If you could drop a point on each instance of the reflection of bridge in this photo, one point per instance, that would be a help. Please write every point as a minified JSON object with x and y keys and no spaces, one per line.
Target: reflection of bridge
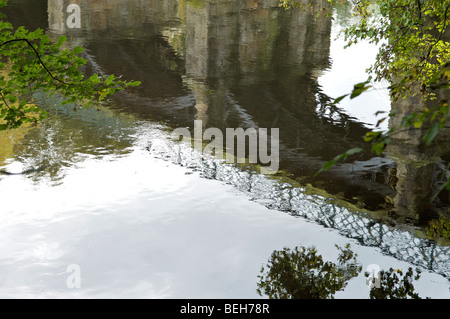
{"x":278,"y":195}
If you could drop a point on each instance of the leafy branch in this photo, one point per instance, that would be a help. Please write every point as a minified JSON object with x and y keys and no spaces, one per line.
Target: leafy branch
{"x":37,"y":56}
{"x":30,"y":62}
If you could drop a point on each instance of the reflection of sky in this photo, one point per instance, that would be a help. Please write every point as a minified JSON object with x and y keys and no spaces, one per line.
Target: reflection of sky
{"x":139,"y":227}
{"x":348,"y":68}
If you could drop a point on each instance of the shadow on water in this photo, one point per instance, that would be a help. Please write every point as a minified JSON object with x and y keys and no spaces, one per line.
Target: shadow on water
{"x":237,"y":64}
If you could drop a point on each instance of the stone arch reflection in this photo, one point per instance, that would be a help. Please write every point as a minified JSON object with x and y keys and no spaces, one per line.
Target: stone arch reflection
{"x":420,"y":169}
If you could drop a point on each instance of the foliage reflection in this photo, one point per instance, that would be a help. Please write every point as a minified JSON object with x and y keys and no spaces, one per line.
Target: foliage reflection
{"x":301,"y":273}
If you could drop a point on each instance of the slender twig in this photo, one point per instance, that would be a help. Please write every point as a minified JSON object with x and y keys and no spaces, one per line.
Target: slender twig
{"x":4,"y":101}
{"x":419,"y":4}
{"x":444,"y":27}
{"x":411,"y":128}
{"x":40,"y":61}
{"x":9,"y":107}
{"x":38,"y":57}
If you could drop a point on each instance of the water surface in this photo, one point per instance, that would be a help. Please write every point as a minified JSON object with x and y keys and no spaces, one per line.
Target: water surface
{"x":144,"y":216}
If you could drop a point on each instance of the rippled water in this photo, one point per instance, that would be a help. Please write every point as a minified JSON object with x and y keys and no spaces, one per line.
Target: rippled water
{"x":145,"y":224}
{"x":143,"y":216}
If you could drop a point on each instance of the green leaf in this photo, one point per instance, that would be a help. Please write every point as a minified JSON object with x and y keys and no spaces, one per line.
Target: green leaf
{"x":381,"y":122}
{"x":370,"y":136}
{"x":431,"y":134}
{"x":12,"y":98}
{"x":354,"y":151}
{"x":378,"y":147}
{"x":359,"y":89}
{"x":78,"y":50}
{"x":61,"y":40}
{"x":339,"y":99}
{"x":338,"y":158}
{"x":418,"y":124}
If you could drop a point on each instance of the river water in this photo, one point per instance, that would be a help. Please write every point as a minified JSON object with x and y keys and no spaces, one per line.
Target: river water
{"x":139,"y":215}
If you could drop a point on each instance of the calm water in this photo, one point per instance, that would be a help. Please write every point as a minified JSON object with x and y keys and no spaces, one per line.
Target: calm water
{"x":144,"y":216}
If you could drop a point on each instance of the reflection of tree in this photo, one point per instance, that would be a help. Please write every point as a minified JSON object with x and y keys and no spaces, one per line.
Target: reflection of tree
{"x":393,"y":284}
{"x":281,"y":194}
{"x":302,"y":274}
{"x":439,"y":228}
{"x":421,"y":169}
{"x":67,"y":137}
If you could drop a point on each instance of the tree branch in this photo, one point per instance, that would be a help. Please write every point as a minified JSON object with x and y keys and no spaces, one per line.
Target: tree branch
{"x":38,"y":57}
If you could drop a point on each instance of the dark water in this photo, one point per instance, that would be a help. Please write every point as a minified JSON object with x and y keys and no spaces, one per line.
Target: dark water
{"x":249,"y":64}
{"x":114,"y":174}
